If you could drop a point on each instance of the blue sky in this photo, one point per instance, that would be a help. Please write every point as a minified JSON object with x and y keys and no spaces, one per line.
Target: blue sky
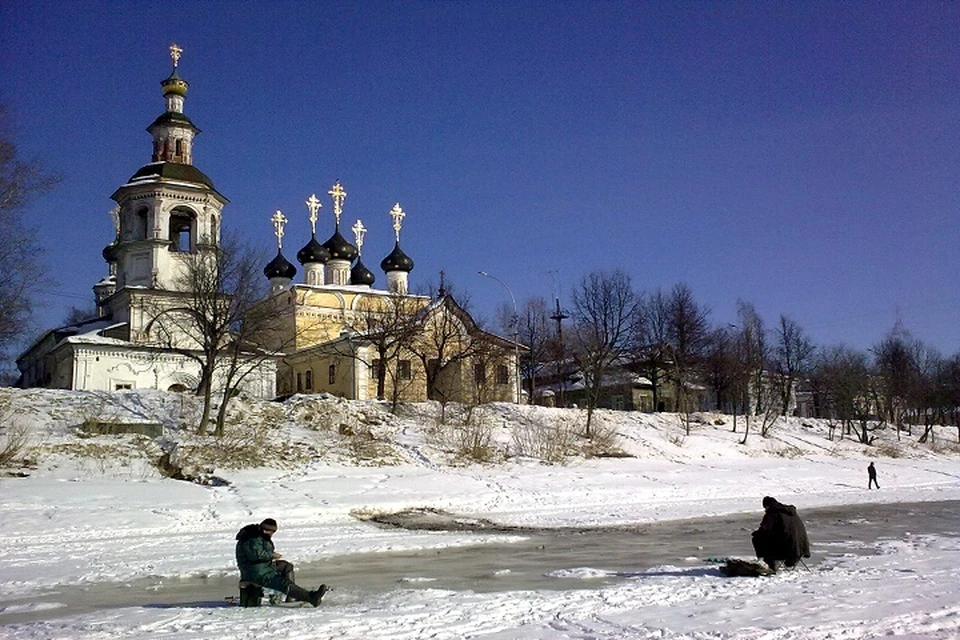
{"x":799,"y":156}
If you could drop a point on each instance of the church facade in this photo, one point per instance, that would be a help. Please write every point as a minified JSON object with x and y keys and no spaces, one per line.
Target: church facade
{"x":333,"y":332}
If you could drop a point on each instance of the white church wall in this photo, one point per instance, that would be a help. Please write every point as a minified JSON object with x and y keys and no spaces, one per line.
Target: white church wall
{"x":106,"y":368}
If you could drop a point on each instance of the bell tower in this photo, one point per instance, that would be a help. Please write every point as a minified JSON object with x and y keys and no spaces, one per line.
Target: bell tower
{"x":168,"y":210}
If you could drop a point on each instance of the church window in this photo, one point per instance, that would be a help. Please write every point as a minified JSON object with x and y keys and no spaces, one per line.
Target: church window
{"x":479,"y":373}
{"x":299,"y":382}
{"x":332,"y":374}
{"x":404,"y":371}
{"x":308,"y":380}
{"x":179,"y":151}
{"x":140,"y":225}
{"x":503,"y":374}
{"x":181,"y":231}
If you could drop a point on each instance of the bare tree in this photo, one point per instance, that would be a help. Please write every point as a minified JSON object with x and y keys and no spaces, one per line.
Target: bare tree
{"x":898,"y":373}
{"x":537,"y":335}
{"x":932,"y":396}
{"x":389,"y":325}
{"x":952,"y":381}
{"x":653,"y":341}
{"x":841,"y":381}
{"x":793,"y":353}
{"x":20,"y":181}
{"x":688,"y":330}
{"x":216,"y":317}
{"x":752,"y":354}
{"x":446,"y":340}
{"x":720,"y":368}
{"x":604,"y":328}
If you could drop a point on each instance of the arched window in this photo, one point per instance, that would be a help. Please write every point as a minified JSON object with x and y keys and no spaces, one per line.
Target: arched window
{"x":332,"y":374}
{"x":179,"y":151}
{"x":181,"y":232}
{"x":308,"y":380}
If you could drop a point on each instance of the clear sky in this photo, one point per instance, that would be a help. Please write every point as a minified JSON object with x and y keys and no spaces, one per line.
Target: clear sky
{"x":801,"y":156}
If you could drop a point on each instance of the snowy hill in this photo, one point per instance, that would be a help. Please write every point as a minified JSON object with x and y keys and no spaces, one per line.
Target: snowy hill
{"x":85,"y":508}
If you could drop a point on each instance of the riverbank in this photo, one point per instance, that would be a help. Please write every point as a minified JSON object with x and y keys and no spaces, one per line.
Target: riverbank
{"x":80,"y":520}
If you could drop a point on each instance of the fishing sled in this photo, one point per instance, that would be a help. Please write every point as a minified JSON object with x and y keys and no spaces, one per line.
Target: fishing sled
{"x":252,"y":595}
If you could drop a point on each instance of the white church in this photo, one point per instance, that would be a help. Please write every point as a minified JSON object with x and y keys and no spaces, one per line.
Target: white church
{"x":169,"y":212}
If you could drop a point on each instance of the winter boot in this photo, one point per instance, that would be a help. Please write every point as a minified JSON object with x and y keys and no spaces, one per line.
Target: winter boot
{"x":299,"y":593}
{"x":316,"y":596}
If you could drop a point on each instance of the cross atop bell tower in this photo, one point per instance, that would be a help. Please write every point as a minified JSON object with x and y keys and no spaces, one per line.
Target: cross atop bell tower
{"x":168,"y":209}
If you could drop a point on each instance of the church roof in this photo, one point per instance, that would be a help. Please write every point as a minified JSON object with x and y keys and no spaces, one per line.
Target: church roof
{"x":279,"y":267}
{"x":361,"y":275}
{"x":170,"y":171}
{"x":172,"y":117}
{"x":340,"y":248}
{"x":397,"y":261}
{"x":313,"y":252}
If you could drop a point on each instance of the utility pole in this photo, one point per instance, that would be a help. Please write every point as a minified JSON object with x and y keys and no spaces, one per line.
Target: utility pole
{"x":560,"y":316}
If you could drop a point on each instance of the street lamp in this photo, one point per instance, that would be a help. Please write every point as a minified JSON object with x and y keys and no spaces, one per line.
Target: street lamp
{"x":516,"y":334}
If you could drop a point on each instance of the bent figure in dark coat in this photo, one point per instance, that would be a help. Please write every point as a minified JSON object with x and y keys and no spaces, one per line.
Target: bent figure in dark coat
{"x":781,"y":536}
{"x":260,"y":564}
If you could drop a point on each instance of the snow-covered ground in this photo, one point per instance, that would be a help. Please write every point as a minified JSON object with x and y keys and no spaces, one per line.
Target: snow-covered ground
{"x":94,"y":509}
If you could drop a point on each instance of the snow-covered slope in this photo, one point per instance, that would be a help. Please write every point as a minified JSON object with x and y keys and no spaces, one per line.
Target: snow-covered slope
{"x":79,"y":508}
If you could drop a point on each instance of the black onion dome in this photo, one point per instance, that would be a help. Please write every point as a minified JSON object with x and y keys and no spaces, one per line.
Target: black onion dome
{"x":280,"y":268}
{"x":313,"y":251}
{"x":361,"y":275}
{"x":339,"y":248}
{"x":110,"y":253}
{"x":397,"y":261}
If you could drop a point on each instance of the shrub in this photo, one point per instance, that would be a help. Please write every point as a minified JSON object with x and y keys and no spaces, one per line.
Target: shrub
{"x":550,"y":442}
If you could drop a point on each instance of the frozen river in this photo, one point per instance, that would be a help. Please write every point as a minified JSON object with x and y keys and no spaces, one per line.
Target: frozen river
{"x":531,"y":560}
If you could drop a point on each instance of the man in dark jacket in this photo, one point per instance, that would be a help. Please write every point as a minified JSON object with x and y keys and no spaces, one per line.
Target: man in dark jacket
{"x":872,"y":477}
{"x":781,"y":536}
{"x":261,"y":565}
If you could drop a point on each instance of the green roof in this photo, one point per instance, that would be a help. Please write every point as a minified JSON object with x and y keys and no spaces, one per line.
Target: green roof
{"x":171,"y":171}
{"x":172,"y":117}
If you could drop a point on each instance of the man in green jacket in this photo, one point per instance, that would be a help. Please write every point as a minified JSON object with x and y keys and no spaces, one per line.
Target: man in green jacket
{"x":261,"y":565}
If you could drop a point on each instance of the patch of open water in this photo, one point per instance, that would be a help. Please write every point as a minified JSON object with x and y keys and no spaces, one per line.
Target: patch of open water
{"x":543,"y":559}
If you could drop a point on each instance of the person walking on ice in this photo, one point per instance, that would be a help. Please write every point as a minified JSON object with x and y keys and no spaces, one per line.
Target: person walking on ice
{"x":872,"y":475}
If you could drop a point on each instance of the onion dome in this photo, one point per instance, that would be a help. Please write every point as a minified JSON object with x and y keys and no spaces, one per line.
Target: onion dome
{"x":361,"y":275}
{"x":397,"y":261}
{"x":110,"y":253}
{"x":174,"y":84}
{"x":280,"y":268}
{"x":313,"y":252}
{"x":339,"y":248}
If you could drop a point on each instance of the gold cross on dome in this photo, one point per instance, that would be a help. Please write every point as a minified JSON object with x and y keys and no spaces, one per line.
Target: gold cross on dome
{"x":397,"y":214}
{"x":175,"y":52}
{"x":338,"y":195}
{"x":359,"y":231}
{"x":278,"y":220}
{"x":313,"y":205}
